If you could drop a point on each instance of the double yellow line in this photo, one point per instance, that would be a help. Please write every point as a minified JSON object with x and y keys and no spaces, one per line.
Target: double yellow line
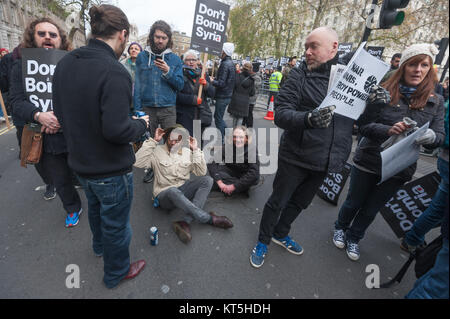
{"x":5,"y":129}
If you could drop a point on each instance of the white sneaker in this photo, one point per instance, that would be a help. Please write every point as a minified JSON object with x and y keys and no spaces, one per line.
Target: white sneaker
{"x":2,"y":119}
{"x":338,"y":238}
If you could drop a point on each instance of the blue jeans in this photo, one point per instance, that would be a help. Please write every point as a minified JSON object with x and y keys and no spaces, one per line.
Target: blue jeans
{"x":109,"y":203}
{"x":221,"y":105}
{"x":434,"y":213}
{"x":434,"y":284}
{"x":364,"y":200}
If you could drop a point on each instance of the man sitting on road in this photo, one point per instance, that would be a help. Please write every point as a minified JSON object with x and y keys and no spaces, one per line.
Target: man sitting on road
{"x":172,"y":163}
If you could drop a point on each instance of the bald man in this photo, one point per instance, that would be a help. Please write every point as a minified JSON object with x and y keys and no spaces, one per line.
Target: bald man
{"x":313,"y":143}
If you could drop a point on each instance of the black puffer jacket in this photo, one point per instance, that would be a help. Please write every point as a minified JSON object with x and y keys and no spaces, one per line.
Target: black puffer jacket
{"x":325,"y":149}
{"x":243,"y":89}
{"x":368,"y":151}
{"x":224,"y":83}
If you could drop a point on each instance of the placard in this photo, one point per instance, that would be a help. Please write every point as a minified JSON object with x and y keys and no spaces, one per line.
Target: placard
{"x":333,"y":184}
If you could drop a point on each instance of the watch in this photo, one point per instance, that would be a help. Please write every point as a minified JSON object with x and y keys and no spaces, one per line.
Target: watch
{"x":37,"y":116}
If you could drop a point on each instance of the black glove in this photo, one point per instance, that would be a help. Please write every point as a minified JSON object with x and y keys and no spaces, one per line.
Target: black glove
{"x":320,"y":118}
{"x":378,"y":95}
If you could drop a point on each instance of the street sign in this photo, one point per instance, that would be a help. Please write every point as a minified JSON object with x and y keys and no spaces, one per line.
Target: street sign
{"x":210,"y":23}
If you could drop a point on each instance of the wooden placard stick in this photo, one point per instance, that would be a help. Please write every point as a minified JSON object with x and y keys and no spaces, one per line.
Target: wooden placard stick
{"x":4,"y":111}
{"x":205,"y":60}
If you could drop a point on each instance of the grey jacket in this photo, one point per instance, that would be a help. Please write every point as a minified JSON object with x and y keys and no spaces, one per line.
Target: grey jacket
{"x":368,"y":151}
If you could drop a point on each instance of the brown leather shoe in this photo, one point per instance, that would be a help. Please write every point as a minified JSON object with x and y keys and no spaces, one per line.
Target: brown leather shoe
{"x":183,"y":231}
{"x":221,"y":221}
{"x":135,"y":269}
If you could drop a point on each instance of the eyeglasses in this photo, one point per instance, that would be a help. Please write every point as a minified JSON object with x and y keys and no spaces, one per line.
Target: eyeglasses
{"x":52,"y":35}
{"x":190,"y":60}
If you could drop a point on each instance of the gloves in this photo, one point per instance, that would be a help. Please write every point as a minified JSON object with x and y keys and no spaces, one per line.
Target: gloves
{"x":202,"y":81}
{"x":199,"y":101}
{"x":428,"y":138}
{"x":378,"y":95}
{"x":320,"y":118}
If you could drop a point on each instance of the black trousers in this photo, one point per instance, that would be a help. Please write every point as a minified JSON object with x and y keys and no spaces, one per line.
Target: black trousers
{"x":229,"y":177}
{"x":293,"y":190}
{"x":54,"y":170}
{"x":248,"y":121}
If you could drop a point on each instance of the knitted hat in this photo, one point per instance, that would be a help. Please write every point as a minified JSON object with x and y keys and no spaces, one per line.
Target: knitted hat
{"x":228,"y":48}
{"x":134,"y":43}
{"x":417,"y":49}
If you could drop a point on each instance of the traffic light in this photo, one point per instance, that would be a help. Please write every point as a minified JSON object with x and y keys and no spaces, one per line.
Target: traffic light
{"x":389,"y":16}
{"x":442,"y":46}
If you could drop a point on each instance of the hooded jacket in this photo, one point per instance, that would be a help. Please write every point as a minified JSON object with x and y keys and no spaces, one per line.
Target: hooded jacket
{"x":152,"y":88}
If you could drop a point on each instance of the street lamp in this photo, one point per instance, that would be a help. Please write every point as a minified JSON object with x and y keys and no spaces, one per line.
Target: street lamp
{"x":289,"y":35}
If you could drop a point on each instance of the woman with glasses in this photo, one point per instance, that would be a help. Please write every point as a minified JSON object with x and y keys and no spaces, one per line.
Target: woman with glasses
{"x":189,"y":106}
{"x":236,"y":173}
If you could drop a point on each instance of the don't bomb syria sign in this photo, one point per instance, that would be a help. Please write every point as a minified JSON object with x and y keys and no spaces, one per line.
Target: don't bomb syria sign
{"x":210,"y":23}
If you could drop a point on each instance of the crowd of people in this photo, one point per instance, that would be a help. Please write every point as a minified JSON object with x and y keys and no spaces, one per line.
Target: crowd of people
{"x":152,"y":100}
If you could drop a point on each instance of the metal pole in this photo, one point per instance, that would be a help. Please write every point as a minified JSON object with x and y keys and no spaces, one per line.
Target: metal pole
{"x":367,"y":30}
{"x":444,"y":71}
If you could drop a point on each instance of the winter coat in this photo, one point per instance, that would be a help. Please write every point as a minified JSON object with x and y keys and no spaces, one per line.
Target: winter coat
{"x":244,"y":88}
{"x":258,"y":83}
{"x":374,"y":134}
{"x":91,"y":98}
{"x":152,"y":88}
{"x":224,"y":83}
{"x":248,"y":172}
{"x":187,"y":108}
{"x":316,"y":149}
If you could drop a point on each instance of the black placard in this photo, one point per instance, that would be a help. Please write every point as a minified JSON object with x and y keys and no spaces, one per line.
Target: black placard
{"x":376,"y":51}
{"x":409,"y":203}
{"x":333,"y":184}
{"x":38,"y":67}
{"x":210,"y":23}
{"x":344,"y":48}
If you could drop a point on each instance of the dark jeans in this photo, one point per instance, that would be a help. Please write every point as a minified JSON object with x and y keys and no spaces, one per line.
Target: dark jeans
{"x":293,"y":190}
{"x":55,"y":171}
{"x":189,"y":197}
{"x":434,"y":213}
{"x":364,"y":200}
{"x":219,"y":111}
{"x":109,"y":202}
{"x":166,"y":116}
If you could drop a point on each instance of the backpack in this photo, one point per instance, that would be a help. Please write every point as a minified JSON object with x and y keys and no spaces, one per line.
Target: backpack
{"x":425,"y":259}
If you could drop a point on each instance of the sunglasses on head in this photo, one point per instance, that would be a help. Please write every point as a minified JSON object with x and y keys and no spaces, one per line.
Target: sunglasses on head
{"x":52,"y":35}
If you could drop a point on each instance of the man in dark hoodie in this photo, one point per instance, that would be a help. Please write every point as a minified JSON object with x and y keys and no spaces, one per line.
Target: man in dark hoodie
{"x":92,"y":98}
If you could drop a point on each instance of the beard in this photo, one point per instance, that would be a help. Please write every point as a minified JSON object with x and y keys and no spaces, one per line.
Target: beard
{"x":120,"y":50}
{"x":314,"y":66}
{"x":155,"y":48}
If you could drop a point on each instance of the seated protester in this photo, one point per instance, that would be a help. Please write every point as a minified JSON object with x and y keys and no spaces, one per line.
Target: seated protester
{"x":173,"y":163}
{"x":189,"y":106}
{"x":239,"y":175}
{"x":244,"y":88}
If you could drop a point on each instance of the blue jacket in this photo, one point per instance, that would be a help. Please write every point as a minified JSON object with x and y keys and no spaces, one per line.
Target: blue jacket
{"x":151,"y":87}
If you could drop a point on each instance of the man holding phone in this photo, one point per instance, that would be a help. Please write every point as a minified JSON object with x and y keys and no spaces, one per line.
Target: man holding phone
{"x":159,"y":76}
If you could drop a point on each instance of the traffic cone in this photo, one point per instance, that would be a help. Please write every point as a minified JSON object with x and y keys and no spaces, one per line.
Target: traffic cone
{"x":269,"y":115}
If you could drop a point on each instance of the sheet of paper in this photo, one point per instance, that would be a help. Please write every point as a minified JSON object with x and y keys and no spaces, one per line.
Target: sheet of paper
{"x":400,"y":155}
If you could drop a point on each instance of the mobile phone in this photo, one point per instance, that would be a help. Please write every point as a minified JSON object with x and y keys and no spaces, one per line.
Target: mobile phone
{"x":158,"y":57}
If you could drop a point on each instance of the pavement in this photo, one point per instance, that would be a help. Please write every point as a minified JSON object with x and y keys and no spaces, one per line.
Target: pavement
{"x":37,"y":251}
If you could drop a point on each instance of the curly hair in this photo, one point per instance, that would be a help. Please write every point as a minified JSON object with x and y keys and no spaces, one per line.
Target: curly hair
{"x":163,"y":27}
{"x":28,"y":35}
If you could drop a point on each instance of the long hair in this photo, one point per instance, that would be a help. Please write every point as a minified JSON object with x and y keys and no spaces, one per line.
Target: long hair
{"x":424,"y":90}
{"x":28,"y":35}
{"x":161,"y":26}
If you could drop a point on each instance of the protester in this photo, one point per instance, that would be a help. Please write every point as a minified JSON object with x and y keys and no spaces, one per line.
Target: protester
{"x":52,"y":167}
{"x":189,"y":106}
{"x":395,"y":61}
{"x":292,"y":62}
{"x":98,"y":131}
{"x":5,"y":75}
{"x":224,"y":84}
{"x":244,"y":89}
{"x":130,"y":64}
{"x":248,"y":120}
{"x":173,"y":162}
{"x":313,"y":143}
{"x":3,"y":52}
{"x":433,"y":284}
{"x":274,"y":85}
{"x":243,"y":172}
{"x":159,"y":77}
{"x":238,"y":68}
{"x":411,"y":89}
